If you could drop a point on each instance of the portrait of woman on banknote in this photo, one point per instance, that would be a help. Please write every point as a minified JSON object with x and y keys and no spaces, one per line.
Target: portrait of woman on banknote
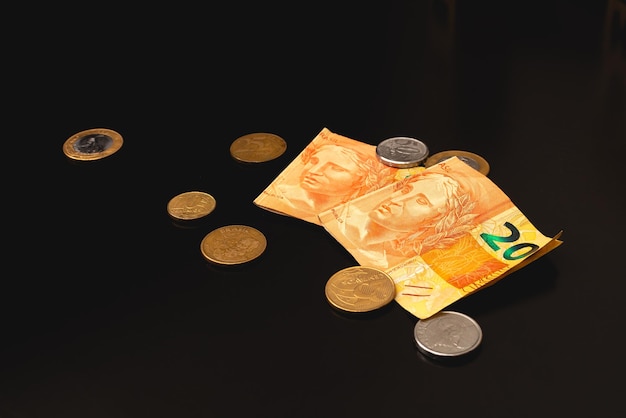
{"x":331,"y":175}
{"x":431,"y":209}
{"x":330,"y":171}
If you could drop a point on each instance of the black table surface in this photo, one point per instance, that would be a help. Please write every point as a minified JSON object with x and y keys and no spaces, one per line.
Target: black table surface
{"x":108,"y":307}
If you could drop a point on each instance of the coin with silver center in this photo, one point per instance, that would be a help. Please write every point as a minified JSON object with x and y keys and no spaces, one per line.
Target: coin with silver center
{"x":92,"y":144}
{"x":473,"y":160}
{"x":402,"y":152}
{"x":447,"y":334}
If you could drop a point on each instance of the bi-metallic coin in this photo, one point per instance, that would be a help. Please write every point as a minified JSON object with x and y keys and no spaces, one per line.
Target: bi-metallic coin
{"x":473,"y":160}
{"x":92,"y":144}
{"x":233,"y":244}
{"x":189,"y":206}
{"x":447,"y":334}
{"x":402,"y":152}
{"x":359,"y":289}
{"x":257,"y":147}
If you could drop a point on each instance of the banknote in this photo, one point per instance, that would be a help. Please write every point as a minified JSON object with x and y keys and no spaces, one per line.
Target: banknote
{"x":441,"y":234}
{"x":332,"y":169}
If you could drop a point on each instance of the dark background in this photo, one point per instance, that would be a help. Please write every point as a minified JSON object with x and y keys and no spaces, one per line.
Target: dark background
{"x":108,"y":308}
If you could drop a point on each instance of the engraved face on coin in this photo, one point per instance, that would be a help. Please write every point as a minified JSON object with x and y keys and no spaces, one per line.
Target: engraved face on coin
{"x":359,"y":289}
{"x":190,"y":205}
{"x":402,"y":152}
{"x":92,"y":144}
{"x":233,"y":244}
{"x":473,"y":160}
{"x":257,"y":147}
{"x":447,"y":334}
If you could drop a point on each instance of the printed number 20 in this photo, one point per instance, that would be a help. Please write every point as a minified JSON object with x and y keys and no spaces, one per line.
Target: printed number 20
{"x":510,"y":253}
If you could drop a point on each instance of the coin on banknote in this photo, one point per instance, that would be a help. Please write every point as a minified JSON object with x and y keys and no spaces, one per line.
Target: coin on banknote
{"x":473,"y":160}
{"x":233,"y":244}
{"x":189,"y":206}
{"x":92,"y":144}
{"x":257,"y":147}
{"x":360,"y":289}
{"x":402,"y":152}
{"x":447,"y":334}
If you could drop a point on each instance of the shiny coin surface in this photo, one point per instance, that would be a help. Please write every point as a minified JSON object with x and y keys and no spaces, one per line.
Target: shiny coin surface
{"x":257,"y":147}
{"x":447,"y":334}
{"x":360,"y":289}
{"x":402,"y":152}
{"x":92,"y":144}
{"x":233,"y":244}
{"x":190,"y":205}
{"x":473,"y":160}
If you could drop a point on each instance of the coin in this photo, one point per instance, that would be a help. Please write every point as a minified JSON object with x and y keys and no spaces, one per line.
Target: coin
{"x":92,"y":144}
{"x":257,"y":147}
{"x":473,"y":160}
{"x":447,"y":334}
{"x":360,"y":289}
{"x":402,"y":152}
{"x":190,"y":205}
{"x":233,"y":244}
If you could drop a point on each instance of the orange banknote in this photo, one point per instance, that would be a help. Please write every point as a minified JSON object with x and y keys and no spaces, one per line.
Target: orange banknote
{"x":331,"y":170}
{"x":441,"y":234}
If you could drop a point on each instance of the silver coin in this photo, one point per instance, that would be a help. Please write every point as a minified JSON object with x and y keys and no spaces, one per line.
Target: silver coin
{"x":402,"y":152}
{"x":447,"y":334}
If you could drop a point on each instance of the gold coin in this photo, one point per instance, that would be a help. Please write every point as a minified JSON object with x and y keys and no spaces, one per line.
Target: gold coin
{"x":257,"y":147}
{"x":190,"y":205}
{"x":92,"y":144}
{"x":473,"y":160}
{"x":233,"y":244}
{"x":360,"y":289}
